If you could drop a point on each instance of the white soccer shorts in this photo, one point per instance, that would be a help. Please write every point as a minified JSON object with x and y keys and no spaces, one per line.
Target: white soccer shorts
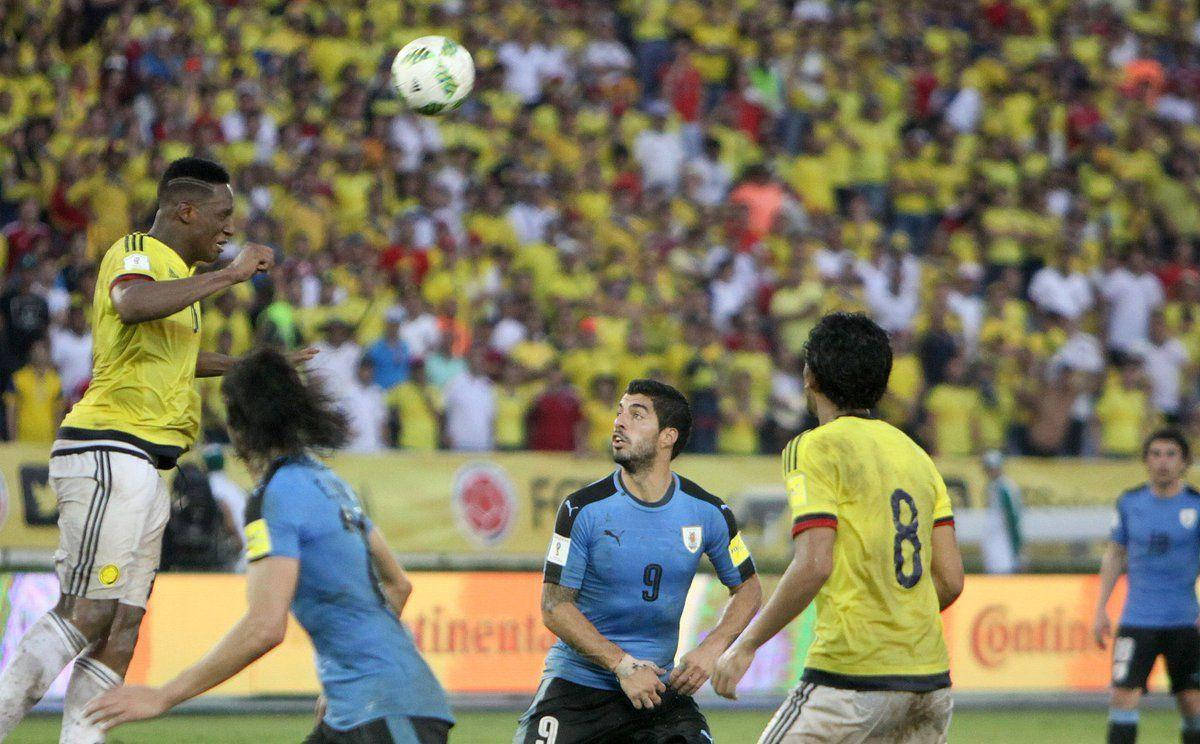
{"x":815,"y":714}
{"x":112,"y":509}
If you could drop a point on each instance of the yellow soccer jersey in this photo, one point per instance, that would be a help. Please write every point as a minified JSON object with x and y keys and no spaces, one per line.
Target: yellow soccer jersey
{"x":878,"y":625}
{"x":143,"y":375}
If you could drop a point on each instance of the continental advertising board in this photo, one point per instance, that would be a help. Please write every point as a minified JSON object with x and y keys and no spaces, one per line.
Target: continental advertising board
{"x":482,"y":633}
{"x":484,"y":505}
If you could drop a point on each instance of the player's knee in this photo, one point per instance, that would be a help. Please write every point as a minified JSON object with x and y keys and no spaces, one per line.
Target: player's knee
{"x":1124,"y":698}
{"x":92,"y":617}
{"x":116,"y":649}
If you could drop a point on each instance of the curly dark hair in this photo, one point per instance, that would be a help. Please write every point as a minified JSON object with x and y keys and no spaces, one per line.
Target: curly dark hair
{"x":671,"y":408}
{"x":850,"y":358}
{"x":271,"y":411}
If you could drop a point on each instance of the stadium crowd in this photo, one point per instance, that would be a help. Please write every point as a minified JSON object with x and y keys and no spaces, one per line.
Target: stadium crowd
{"x":642,"y":188}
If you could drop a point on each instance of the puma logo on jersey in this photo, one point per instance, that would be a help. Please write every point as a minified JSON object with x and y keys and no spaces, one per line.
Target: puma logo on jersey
{"x":615,"y":535}
{"x":570,"y":509}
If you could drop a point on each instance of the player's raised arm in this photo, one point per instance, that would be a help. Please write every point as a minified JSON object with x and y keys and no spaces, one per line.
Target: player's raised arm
{"x":139,"y":297}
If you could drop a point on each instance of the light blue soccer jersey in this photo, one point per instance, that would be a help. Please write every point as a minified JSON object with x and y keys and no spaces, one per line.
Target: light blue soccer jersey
{"x":633,"y":563}
{"x":367,"y":662}
{"x":1161,"y":537}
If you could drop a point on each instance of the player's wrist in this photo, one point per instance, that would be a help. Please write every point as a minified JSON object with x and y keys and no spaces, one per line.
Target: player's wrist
{"x":626,"y":666}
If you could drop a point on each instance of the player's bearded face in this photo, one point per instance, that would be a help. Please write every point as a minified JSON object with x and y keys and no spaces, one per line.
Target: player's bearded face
{"x":633,"y":451}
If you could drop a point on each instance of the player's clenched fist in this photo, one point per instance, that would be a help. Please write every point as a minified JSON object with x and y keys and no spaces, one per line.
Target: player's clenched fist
{"x":694,"y":669}
{"x":253,"y":258}
{"x":640,"y":681}
{"x":731,"y":667}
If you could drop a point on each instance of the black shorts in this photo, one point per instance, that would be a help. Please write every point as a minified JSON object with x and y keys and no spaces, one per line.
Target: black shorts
{"x":1136,"y":649}
{"x":391,"y":730}
{"x":566,"y":713}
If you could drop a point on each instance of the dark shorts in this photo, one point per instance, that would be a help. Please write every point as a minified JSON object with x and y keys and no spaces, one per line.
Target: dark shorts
{"x":1136,"y":649}
{"x":391,"y":730}
{"x":566,"y":713}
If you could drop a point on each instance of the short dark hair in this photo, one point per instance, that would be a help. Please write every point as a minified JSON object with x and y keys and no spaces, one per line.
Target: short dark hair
{"x":850,"y":358}
{"x":1168,"y":435}
{"x":190,"y":178}
{"x":670,"y":406}
{"x":272,"y":410}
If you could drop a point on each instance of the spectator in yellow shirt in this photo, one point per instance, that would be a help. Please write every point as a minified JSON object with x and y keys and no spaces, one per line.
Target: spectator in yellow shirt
{"x":417,"y":407}
{"x":1123,"y":412}
{"x":34,"y":405}
{"x":512,"y":407}
{"x":954,"y":412}
{"x":599,"y":410}
{"x":741,"y":417}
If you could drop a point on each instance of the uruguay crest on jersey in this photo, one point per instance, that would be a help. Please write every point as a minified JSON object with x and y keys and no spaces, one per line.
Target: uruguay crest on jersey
{"x":693,"y":537}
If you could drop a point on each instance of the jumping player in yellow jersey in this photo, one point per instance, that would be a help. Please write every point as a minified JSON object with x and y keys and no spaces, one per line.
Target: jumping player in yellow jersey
{"x":874,"y":545}
{"x":140,"y":413}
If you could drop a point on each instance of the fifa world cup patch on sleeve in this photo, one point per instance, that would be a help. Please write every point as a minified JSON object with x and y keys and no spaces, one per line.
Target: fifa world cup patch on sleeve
{"x":137,"y":262}
{"x":560,"y":548}
{"x":737,"y":550}
{"x":258,"y":540}
{"x":797,"y":491}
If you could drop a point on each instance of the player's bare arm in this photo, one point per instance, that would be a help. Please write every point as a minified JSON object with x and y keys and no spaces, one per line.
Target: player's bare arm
{"x":697,"y":665}
{"x":393,"y":581}
{"x":212,"y":364}
{"x":270,"y":586}
{"x":143,"y":299}
{"x":1112,"y":565}
{"x":812,"y":563}
{"x":639,"y":679}
{"x":946,"y":565}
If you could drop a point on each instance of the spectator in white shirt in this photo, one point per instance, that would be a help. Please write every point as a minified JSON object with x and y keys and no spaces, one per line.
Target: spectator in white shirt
{"x":1133,"y":293}
{"x":660,"y":152}
{"x":337,"y":357}
{"x":366,"y":410}
{"x":712,"y":177}
{"x":1165,"y":363}
{"x":509,"y":330}
{"x":605,"y":57}
{"x":733,"y":285}
{"x":470,"y":405}
{"x":532,"y":216}
{"x":419,"y":331}
{"x":231,"y":498}
{"x":1057,"y":288}
{"x":249,"y":122}
{"x":892,"y":299}
{"x":526,"y":64}
{"x":71,"y":352}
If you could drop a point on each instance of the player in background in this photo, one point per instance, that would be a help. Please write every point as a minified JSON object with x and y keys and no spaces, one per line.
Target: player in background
{"x":139,"y":414}
{"x":874,"y":544}
{"x":1156,"y":543}
{"x":311,"y":548}
{"x":621,"y":560}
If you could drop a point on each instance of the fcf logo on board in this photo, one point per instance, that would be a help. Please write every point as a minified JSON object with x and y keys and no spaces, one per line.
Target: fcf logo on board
{"x":485,"y":506}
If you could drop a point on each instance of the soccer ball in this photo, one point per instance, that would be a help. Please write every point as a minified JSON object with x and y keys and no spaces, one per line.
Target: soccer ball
{"x":433,"y":74}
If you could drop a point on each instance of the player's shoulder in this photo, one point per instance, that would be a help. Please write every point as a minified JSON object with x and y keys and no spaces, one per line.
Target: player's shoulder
{"x":1190,"y":492}
{"x":707,"y":501}
{"x":1133,"y":494}
{"x":593,"y":493}
{"x":292,"y":479}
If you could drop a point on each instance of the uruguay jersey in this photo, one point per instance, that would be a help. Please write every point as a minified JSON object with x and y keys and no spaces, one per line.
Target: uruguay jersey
{"x":1161,"y":537}
{"x":878,"y":622}
{"x":367,"y":662}
{"x":143,"y":388}
{"x":633,"y":563}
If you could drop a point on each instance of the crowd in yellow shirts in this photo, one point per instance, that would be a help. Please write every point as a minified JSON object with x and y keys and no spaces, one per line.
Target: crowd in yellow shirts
{"x":675,"y":189}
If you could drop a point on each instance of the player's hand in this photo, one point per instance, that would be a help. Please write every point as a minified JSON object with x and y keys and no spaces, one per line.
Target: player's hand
{"x":254,"y":257}
{"x":694,"y":669}
{"x":1101,"y":629}
{"x":301,"y":357}
{"x":731,"y":667}
{"x":322,"y":703}
{"x":640,"y":682}
{"x":124,"y":704}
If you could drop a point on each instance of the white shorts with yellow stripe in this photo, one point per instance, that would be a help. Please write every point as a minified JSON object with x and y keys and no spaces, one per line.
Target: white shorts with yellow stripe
{"x":112,"y":509}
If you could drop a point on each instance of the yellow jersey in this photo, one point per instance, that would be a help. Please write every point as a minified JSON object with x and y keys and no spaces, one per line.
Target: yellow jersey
{"x":878,"y":623}
{"x":143,"y":388}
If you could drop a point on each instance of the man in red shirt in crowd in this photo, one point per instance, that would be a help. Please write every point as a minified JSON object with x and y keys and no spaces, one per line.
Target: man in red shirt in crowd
{"x":556,"y":416}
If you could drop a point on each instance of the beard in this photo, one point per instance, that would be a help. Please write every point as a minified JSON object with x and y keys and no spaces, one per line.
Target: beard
{"x":636,"y":457}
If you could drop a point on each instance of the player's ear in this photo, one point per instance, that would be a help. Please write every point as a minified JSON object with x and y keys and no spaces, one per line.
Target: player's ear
{"x":667,"y":437}
{"x":185,"y":212}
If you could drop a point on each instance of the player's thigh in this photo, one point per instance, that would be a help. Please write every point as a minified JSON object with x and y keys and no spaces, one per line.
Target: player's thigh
{"x":814,"y":714}
{"x":677,"y":721}
{"x":1134,"y":653}
{"x":143,"y":568}
{"x":1181,"y":650}
{"x":563,"y":712}
{"x":925,"y":719}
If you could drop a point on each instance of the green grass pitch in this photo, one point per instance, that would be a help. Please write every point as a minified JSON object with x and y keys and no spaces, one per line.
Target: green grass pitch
{"x":729,"y":727}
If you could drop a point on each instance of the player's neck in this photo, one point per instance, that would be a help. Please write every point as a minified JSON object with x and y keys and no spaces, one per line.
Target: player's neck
{"x":826,"y":411}
{"x":163,"y":233}
{"x":649,"y":485}
{"x":1167,"y":490}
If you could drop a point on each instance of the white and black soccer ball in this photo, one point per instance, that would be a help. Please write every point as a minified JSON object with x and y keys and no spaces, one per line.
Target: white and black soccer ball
{"x":433,"y":74}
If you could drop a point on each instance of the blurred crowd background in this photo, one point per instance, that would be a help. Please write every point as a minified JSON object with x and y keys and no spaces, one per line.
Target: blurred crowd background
{"x":640,"y":188}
